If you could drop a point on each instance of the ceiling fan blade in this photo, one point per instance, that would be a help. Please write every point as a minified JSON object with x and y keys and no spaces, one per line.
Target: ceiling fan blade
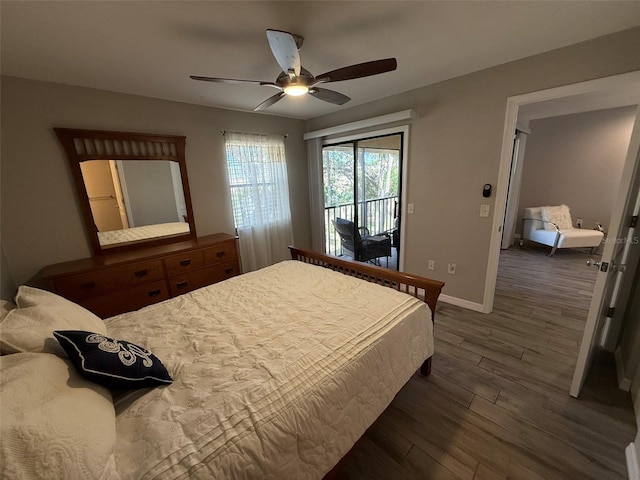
{"x":284,"y":48}
{"x":360,"y":70}
{"x":329,"y":96}
{"x":269,"y":101}
{"x":226,"y":80}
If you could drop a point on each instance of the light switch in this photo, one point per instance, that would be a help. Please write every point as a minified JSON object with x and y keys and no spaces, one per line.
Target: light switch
{"x":410,"y":208}
{"x":484,"y":210}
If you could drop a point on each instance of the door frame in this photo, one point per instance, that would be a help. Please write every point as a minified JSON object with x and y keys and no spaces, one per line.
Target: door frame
{"x":511,"y":117}
{"x":404,"y":166}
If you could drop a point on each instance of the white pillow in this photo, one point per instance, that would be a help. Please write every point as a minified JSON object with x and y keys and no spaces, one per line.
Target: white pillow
{"x":29,"y":328}
{"x":54,"y":423}
{"x":560,"y":215}
{"x":5,"y":307}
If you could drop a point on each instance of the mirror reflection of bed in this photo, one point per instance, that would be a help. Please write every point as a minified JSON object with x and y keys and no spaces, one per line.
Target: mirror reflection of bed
{"x":135,"y":200}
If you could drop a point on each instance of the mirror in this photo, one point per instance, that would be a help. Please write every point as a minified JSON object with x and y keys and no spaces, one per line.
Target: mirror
{"x":133,"y":187}
{"x":135,"y":199}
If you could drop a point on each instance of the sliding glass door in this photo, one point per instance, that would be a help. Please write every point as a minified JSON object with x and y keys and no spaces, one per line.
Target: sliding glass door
{"x":362,"y":185}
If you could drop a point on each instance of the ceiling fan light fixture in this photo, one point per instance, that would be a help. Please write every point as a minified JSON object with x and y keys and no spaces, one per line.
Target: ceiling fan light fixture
{"x":297,"y":81}
{"x":295,"y":90}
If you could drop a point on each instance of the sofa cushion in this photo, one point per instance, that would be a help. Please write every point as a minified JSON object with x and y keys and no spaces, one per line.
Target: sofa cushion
{"x":558,"y":215}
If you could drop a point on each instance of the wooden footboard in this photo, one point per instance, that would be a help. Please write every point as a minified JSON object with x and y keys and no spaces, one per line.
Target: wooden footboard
{"x":423,"y":288}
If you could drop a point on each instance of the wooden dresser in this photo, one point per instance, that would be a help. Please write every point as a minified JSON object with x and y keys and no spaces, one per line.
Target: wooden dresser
{"x":112,"y":284}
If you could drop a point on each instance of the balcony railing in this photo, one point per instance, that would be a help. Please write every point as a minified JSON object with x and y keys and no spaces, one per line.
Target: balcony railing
{"x":378,"y":215}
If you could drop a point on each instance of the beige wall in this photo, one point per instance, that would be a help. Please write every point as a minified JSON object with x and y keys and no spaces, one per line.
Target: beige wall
{"x":41,"y":220}
{"x":455,"y":145}
{"x":576,"y":160}
{"x":454,"y":149}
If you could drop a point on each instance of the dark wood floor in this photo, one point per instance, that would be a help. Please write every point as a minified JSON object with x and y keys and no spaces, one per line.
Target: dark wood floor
{"x":497,"y":404}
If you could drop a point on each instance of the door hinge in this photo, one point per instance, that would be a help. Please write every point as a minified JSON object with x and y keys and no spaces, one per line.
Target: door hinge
{"x":604,"y":266}
{"x":610,"y":312}
{"x":634,"y":221}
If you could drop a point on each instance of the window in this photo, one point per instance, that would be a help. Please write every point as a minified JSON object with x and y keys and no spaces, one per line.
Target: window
{"x":259,"y":189}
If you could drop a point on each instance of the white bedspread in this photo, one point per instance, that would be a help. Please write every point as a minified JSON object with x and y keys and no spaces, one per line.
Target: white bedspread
{"x":276,"y":374}
{"x":142,"y":233}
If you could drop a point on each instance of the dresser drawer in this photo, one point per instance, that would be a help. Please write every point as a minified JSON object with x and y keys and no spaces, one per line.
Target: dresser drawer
{"x":187,"y":282}
{"x":184,"y":262}
{"x":224,"y":270}
{"x":100,"y":282}
{"x":220,"y":253}
{"x":127,"y":300}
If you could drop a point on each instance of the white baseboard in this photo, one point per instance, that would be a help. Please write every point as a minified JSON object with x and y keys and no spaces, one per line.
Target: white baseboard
{"x":633,"y":469}
{"x":624,"y":383}
{"x":460,"y":302}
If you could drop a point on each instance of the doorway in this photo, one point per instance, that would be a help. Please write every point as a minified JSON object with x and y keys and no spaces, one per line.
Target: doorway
{"x":608,"y":90}
{"x":106,"y":200}
{"x":362,"y":185}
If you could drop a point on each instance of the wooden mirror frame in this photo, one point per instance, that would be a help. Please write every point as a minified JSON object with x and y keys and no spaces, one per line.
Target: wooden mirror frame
{"x":84,"y":145}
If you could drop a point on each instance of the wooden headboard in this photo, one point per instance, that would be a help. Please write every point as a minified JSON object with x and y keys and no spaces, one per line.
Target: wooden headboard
{"x":425,"y":289}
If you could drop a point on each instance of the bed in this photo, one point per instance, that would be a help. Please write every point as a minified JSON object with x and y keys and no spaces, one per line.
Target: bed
{"x":145,"y":232}
{"x":275,"y":373}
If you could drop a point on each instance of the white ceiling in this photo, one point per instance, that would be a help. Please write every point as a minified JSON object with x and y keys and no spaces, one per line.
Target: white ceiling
{"x":150,"y":48}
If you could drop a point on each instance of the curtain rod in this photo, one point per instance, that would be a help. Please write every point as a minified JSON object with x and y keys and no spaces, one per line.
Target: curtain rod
{"x":223,"y":132}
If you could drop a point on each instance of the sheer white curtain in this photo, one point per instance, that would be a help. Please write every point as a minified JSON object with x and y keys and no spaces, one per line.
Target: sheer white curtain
{"x":260,"y":196}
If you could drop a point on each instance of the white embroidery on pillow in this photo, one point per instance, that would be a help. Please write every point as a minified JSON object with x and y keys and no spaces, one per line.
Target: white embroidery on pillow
{"x":126,"y":353}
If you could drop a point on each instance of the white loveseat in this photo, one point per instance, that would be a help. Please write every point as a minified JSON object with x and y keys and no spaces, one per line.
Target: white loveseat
{"x":553,"y":226}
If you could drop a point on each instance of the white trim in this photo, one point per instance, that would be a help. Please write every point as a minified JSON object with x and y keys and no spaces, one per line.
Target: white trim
{"x":461,"y":302}
{"x":402,"y":116}
{"x":624,"y":383}
{"x":511,"y":116}
{"x":588,"y":86}
{"x":500,"y":203}
{"x":633,"y":469}
{"x":367,"y":134}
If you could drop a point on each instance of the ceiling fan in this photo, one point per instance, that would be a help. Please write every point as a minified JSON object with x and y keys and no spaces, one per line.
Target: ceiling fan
{"x":295,"y":80}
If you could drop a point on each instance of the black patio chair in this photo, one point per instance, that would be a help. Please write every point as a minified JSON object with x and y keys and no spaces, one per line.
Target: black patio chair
{"x":362,"y":246}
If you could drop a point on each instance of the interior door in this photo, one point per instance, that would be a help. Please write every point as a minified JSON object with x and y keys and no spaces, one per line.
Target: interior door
{"x":611,"y":266}
{"x":100,"y":187}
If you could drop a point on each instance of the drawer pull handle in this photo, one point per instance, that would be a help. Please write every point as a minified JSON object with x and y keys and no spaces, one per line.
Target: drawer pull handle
{"x":186,"y":262}
{"x":228,"y":270}
{"x":88,"y":286}
{"x":141,"y":273}
{"x":155,"y":293}
{"x":219,"y":254}
{"x":182,"y":284}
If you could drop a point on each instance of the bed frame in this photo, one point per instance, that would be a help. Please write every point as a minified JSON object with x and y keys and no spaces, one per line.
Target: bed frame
{"x":422,"y":288}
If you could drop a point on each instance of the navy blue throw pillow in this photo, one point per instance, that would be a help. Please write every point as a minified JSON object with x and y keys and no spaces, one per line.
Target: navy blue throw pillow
{"x":116,"y":364}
